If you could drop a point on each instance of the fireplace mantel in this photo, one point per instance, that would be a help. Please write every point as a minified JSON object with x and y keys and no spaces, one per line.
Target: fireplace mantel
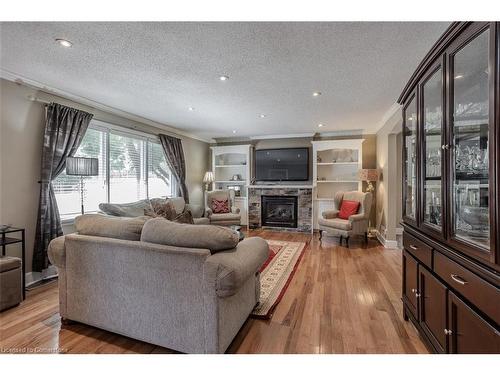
{"x":264,"y":186}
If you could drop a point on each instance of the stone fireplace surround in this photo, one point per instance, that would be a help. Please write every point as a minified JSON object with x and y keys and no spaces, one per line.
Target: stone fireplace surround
{"x":304,"y":205}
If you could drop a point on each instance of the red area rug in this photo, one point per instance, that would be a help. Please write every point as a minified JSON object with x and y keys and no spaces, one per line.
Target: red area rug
{"x":276,"y":274}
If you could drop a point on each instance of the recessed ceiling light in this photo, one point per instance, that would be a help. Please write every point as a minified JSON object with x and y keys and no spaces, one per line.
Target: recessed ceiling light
{"x":458,"y":76}
{"x":316,"y":93}
{"x":234,"y":131}
{"x":191,"y":108}
{"x":320,"y":125}
{"x":262,"y":115}
{"x":64,"y":42}
{"x":223,"y":78}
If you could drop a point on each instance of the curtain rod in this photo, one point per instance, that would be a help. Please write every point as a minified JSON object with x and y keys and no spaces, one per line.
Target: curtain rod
{"x":36,"y":99}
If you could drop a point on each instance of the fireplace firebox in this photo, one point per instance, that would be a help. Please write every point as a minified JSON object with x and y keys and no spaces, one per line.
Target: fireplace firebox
{"x":279,"y":211}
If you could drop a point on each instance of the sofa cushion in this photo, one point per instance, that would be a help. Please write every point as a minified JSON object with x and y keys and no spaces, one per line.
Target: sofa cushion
{"x":224,"y":217}
{"x":201,"y":220}
{"x":165,"y":232}
{"x":123,"y":228}
{"x":335,"y":223}
{"x":132,"y":209}
{"x":9,"y":263}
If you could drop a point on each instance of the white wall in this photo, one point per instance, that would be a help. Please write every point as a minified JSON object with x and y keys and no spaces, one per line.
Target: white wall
{"x":388,"y":188}
{"x":21,"y":136}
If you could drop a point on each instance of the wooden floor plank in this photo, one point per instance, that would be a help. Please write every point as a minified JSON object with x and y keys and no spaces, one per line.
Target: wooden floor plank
{"x":341,"y":300}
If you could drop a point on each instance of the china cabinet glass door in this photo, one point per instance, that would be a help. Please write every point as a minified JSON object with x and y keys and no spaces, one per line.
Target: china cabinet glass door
{"x":432,"y":116}
{"x":470,"y":152}
{"x":410,"y":175}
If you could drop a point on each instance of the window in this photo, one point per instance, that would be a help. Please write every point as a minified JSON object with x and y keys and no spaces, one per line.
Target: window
{"x":137,"y":170}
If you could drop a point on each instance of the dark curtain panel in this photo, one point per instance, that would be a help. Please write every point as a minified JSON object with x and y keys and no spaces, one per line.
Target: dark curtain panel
{"x":172,"y":147}
{"x":64,"y":130}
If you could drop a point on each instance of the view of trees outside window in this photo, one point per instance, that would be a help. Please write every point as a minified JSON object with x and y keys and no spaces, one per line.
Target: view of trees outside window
{"x":137,"y":170}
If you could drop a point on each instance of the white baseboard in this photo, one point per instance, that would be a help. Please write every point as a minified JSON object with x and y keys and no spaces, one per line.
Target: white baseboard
{"x":35,"y":277}
{"x":388,"y":244}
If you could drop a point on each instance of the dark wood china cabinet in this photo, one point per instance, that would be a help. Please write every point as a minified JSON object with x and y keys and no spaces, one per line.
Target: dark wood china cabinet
{"x":451,"y":192}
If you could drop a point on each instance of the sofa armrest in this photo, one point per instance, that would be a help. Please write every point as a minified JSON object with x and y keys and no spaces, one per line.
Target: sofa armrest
{"x":357,"y":217}
{"x":208,"y":212}
{"x":330,"y":214}
{"x":196,"y":210}
{"x":234,"y":267}
{"x":57,"y":252}
{"x":235,"y":210}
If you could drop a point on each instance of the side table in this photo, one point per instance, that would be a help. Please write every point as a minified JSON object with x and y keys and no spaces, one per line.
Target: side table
{"x":4,"y":241}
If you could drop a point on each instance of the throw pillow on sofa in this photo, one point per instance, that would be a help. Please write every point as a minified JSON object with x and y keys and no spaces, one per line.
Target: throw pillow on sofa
{"x":348,"y":208}
{"x":220,"y":206}
{"x":211,"y":237}
{"x":123,"y":228}
{"x":167,"y":210}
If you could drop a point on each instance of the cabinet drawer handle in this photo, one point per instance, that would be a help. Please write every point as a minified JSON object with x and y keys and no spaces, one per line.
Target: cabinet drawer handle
{"x":447,"y":332}
{"x":414,"y":291}
{"x":458,"y":279}
{"x":413,"y":247}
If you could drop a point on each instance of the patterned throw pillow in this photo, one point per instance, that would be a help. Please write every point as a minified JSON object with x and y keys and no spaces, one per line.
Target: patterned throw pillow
{"x":220,"y":206}
{"x":167,"y":211}
{"x":163,"y":209}
{"x":186,"y":217}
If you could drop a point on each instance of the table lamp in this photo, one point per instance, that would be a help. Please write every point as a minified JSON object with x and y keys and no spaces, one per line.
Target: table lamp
{"x":368,"y":175}
{"x":208,"y":179}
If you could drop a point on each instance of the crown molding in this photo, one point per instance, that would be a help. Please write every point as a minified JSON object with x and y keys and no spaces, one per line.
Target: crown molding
{"x":25,"y":81}
{"x":387,"y":116}
{"x":283,"y":136}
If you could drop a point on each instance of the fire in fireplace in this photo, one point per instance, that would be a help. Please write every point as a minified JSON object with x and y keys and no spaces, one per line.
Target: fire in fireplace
{"x":279,"y":211}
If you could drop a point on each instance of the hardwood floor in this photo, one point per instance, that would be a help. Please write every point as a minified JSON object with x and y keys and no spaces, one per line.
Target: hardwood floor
{"x":341,"y":300}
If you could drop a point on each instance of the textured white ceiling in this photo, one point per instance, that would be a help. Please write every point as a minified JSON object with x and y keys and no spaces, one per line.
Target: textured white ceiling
{"x":158,"y":70}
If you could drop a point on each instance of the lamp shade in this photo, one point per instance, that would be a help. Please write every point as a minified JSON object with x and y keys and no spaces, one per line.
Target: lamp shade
{"x":82,"y":166}
{"x":368,"y":175}
{"x":208,"y":178}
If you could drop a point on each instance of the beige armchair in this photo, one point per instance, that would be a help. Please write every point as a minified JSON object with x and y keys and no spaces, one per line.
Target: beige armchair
{"x":233,"y":217}
{"x":356,"y":224}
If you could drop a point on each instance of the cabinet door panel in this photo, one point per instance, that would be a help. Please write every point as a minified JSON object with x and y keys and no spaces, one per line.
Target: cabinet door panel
{"x":410,"y":161}
{"x":470,"y":334}
{"x":410,"y":283}
{"x":471,"y":148}
{"x":433,"y":308}
{"x":432,"y":127}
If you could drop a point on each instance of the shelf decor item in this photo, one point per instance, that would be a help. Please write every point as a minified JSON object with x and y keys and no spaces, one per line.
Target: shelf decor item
{"x":78,"y":166}
{"x":368,"y":175}
{"x":208,"y":179}
{"x":236,"y":177}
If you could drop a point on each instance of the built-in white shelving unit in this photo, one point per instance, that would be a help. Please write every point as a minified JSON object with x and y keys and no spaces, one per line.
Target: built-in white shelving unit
{"x":335,"y":168}
{"x":229,"y":163}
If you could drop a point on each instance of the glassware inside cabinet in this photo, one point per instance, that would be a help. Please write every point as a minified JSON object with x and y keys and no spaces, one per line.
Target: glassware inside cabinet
{"x":410,"y":133}
{"x":432,"y":124}
{"x":470,"y":141}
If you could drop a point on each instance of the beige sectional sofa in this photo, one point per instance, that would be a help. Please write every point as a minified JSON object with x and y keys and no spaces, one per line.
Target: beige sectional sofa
{"x":185,"y":287}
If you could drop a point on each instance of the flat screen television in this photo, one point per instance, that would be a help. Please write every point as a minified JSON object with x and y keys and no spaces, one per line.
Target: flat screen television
{"x":284,"y":164}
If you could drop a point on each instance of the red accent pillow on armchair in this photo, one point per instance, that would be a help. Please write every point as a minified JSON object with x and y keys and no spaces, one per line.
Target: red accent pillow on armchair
{"x":348,"y":208}
{"x":220,"y":206}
